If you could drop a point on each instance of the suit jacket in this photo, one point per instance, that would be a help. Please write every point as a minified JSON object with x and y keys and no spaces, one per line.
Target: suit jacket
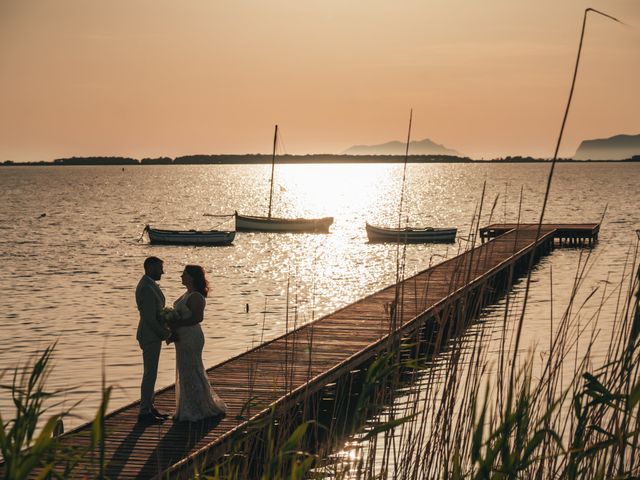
{"x":150,"y":301}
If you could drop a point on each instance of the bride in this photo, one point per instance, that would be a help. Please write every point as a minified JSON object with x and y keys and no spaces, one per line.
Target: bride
{"x":195,"y":399}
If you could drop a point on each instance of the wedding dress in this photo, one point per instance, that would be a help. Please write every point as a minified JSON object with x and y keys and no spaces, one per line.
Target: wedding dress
{"x":195,"y":399}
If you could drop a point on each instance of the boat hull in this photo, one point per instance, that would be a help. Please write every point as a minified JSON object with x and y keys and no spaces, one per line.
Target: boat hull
{"x":411,"y":235}
{"x":245,"y":223}
{"x":190,"y":237}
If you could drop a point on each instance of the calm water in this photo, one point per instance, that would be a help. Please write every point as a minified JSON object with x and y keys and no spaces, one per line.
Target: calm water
{"x":70,"y":276}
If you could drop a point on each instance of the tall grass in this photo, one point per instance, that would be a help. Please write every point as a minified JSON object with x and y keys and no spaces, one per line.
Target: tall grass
{"x":29,"y":440}
{"x":462,"y":423}
{"x":27,"y":390}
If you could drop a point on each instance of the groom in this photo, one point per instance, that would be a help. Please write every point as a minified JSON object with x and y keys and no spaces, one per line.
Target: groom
{"x":151,"y":333}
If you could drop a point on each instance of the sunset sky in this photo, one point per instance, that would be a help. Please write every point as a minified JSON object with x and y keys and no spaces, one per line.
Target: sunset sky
{"x":147,"y":78}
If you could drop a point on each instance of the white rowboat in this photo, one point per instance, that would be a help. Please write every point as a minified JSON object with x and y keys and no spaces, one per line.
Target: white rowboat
{"x":245,"y":223}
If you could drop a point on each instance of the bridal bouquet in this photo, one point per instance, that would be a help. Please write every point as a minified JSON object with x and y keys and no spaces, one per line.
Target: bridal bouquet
{"x":169,"y":315}
{"x":172,"y":315}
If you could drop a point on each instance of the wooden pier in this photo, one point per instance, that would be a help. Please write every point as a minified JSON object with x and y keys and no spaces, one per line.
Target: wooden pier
{"x":288,"y":369}
{"x":565,"y":234}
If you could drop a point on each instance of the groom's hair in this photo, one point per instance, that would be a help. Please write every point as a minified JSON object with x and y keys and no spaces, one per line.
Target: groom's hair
{"x":151,"y":261}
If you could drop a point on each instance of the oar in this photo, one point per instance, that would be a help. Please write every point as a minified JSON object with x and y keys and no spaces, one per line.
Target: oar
{"x":219,"y":216}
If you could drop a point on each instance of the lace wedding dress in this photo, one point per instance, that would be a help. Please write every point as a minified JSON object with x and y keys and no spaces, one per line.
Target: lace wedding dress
{"x":195,"y":399}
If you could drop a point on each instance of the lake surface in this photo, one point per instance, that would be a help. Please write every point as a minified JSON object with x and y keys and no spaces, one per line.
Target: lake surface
{"x":70,"y":276}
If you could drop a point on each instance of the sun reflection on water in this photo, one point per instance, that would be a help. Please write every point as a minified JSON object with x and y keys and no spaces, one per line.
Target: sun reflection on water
{"x":333,"y":190}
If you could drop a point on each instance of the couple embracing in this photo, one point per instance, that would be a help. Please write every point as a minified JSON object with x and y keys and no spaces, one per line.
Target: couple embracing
{"x":195,"y":399}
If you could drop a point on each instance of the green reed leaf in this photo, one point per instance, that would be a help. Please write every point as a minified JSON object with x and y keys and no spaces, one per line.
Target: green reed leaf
{"x":634,"y":397}
{"x":295,"y":438}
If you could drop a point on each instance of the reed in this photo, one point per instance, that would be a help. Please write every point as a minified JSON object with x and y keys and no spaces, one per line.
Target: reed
{"x":551,"y":425}
{"x":29,"y":439}
{"x":27,"y":389}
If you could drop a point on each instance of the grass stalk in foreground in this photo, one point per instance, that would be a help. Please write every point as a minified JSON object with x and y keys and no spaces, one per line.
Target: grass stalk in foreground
{"x":29,"y":440}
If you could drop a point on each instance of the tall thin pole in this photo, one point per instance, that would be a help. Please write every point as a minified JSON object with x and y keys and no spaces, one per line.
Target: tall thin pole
{"x":273,"y":166}
{"x":549,"y":178}
{"x":397,"y":310}
{"x":404,"y":170}
{"x":566,"y":112}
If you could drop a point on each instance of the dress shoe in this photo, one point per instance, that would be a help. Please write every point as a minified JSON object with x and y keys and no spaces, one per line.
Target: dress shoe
{"x":158,"y":414}
{"x":149,"y":419}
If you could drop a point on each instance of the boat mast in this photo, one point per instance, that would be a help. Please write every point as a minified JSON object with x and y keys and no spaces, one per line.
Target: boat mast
{"x":404,"y":170}
{"x":273,"y":164}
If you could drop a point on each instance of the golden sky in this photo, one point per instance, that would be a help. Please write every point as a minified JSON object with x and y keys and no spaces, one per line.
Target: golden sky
{"x":146,"y":78}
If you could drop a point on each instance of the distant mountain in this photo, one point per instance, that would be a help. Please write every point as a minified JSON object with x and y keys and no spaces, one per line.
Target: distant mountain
{"x":419,"y":147}
{"x":618,"y":147}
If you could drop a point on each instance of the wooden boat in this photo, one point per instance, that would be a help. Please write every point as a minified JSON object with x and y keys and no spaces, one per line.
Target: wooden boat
{"x":411,"y":235}
{"x":189,"y":237}
{"x":248,"y":223}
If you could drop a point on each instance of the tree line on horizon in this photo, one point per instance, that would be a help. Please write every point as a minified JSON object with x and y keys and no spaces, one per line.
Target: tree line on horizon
{"x":259,"y":158}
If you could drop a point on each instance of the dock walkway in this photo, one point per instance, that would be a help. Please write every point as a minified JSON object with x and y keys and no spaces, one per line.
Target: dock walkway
{"x":289,"y":368}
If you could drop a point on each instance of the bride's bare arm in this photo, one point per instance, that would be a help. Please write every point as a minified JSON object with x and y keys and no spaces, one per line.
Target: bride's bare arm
{"x":196,"y":304}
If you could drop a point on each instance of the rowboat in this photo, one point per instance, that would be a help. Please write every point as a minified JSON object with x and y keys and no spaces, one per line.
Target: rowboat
{"x":248,"y":223}
{"x":189,"y":237}
{"x":411,"y":235}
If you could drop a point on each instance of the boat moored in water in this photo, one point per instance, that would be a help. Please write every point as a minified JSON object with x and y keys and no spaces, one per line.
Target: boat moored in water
{"x":411,"y":234}
{"x":246,"y":223}
{"x":190,"y":237}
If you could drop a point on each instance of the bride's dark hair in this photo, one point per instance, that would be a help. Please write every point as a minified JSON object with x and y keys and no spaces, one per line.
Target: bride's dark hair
{"x":200,"y":283}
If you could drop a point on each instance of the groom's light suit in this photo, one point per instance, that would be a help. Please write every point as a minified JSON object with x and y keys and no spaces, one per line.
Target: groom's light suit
{"x":151,"y":332}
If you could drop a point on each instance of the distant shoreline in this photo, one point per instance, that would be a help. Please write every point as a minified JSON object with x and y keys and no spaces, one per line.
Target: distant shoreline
{"x":291,"y":159}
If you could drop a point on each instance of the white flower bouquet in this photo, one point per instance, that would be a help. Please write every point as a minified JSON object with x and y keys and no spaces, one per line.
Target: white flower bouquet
{"x":172,"y":315}
{"x":169,"y":315}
